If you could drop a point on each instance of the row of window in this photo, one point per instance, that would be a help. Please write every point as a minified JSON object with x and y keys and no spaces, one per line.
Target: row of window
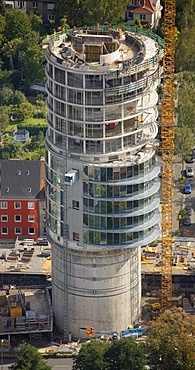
{"x":102,"y":238}
{"x":18,"y":231}
{"x":115,"y":223}
{"x":97,"y":206}
{"x":17,"y":218}
{"x":110,"y":191}
{"x":103,"y":174}
{"x":17,"y":205}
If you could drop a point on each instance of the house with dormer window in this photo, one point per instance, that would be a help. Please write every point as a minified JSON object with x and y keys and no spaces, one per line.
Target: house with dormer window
{"x":147,"y":11}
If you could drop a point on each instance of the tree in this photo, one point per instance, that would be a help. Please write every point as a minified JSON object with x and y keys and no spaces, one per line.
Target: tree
{"x":171,"y":341}
{"x":28,"y":358}
{"x":91,"y":356}
{"x":31,"y":66}
{"x":24,"y":111}
{"x":185,"y":56}
{"x":6,"y":95}
{"x":4,"y":119}
{"x":35,"y":20}
{"x":90,"y":12}
{"x":125,"y":354}
{"x":18,"y":97}
{"x":18,"y":25}
{"x":184,"y":142}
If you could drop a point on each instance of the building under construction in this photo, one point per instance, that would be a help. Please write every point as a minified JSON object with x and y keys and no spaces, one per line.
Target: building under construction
{"x":102,"y":183}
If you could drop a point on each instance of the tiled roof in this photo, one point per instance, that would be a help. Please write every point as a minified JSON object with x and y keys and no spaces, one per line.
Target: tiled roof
{"x":147,"y":7}
{"x":22,"y":179}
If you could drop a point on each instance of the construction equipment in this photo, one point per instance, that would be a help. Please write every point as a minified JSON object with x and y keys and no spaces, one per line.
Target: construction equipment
{"x":135,"y":332}
{"x":155,"y":306}
{"x":167,"y":146}
{"x":91,"y":333}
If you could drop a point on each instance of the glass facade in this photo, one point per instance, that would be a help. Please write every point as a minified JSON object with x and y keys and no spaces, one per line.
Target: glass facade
{"x":99,"y":114}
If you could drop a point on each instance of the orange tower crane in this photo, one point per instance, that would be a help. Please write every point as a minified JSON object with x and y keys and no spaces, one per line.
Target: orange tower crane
{"x":167,"y":135}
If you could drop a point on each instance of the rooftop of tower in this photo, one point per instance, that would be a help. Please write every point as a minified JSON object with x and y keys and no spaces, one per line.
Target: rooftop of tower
{"x":101,"y":50}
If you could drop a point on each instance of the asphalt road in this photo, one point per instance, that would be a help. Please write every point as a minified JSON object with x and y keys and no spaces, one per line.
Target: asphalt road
{"x":55,"y":363}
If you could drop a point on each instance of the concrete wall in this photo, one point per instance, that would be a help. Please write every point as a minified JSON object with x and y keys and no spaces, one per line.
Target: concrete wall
{"x":104,"y":289}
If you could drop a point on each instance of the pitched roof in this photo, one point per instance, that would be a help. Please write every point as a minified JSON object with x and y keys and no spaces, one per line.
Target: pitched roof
{"x":22,"y":179}
{"x":147,"y":7}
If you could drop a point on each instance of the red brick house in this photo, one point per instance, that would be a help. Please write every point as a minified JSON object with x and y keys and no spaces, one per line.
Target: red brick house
{"x":22,"y":199}
{"x":147,"y":11}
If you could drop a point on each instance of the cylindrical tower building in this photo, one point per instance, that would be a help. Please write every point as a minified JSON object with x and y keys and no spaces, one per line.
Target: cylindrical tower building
{"x":102,"y":182}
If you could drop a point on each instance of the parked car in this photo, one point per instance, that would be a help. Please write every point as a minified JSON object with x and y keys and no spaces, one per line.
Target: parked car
{"x":188,"y":210}
{"x":187,"y":221}
{"x":189,"y":171}
{"x":187,"y":188}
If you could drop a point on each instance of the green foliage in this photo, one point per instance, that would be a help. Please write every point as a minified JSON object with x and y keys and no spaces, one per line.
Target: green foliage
{"x":90,"y":12}
{"x":35,"y":20}
{"x":185,"y":55}
{"x":2,"y":25}
{"x":91,"y":356}
{"x":34,"y":130}
{"x":125,"y":354}
{"x":170,"y":344}
{"x":119,"y":355}
{"x":31,"y":66}
{"x":24,"y":111}
{"x":28,"y":358}
{"x":186,"y":99}
{"x":138,"y":22}
{"x":21,"y":48}
{"x":4,"y":119}
{"x":6,"y":95}
{"x":18,"y":25}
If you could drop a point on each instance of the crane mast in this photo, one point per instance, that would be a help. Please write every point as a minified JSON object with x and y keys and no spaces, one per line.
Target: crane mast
{"x":167,"y":146}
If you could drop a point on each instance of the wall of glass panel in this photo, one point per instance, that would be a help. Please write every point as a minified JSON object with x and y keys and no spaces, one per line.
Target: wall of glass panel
{"x":116,"y":174}
{"x":104,"y":238}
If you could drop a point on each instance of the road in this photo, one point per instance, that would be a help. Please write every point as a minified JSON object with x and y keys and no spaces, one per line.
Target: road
{"x":180,"y":199}
{"x":55,"y":363}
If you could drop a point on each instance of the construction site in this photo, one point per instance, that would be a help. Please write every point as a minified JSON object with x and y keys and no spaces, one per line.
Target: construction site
{"x":25,"y":301}
{"x":112,"y":247}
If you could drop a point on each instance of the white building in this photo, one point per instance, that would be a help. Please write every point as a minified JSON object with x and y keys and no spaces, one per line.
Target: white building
{"x":102,"y":182}
{"x":147,"y":11}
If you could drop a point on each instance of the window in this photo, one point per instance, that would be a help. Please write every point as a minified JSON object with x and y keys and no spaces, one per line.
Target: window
{"x":7,"y":189}
{"x":31,"y":205}
{"x":31,"y":218}
{"x":27,"y":172}
{"x":18,"y":230}
{"x":51,"y":17}
{"x":142,"y":16}
{"x":35,"y":5}
{"x":4,"y":230}
{"x":17,"y":205}
{"x":17,"y":218}
{"x":29,"y":190}
{"x":31,"y":230}
{"x":75,"y":204}
{"x":130,"y":15}
{"x":3,"y":205}
{"x":50,"y":6}
{"x":4,"y":218}
{"x":19,"y":172}
{"x":76,"y":236}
